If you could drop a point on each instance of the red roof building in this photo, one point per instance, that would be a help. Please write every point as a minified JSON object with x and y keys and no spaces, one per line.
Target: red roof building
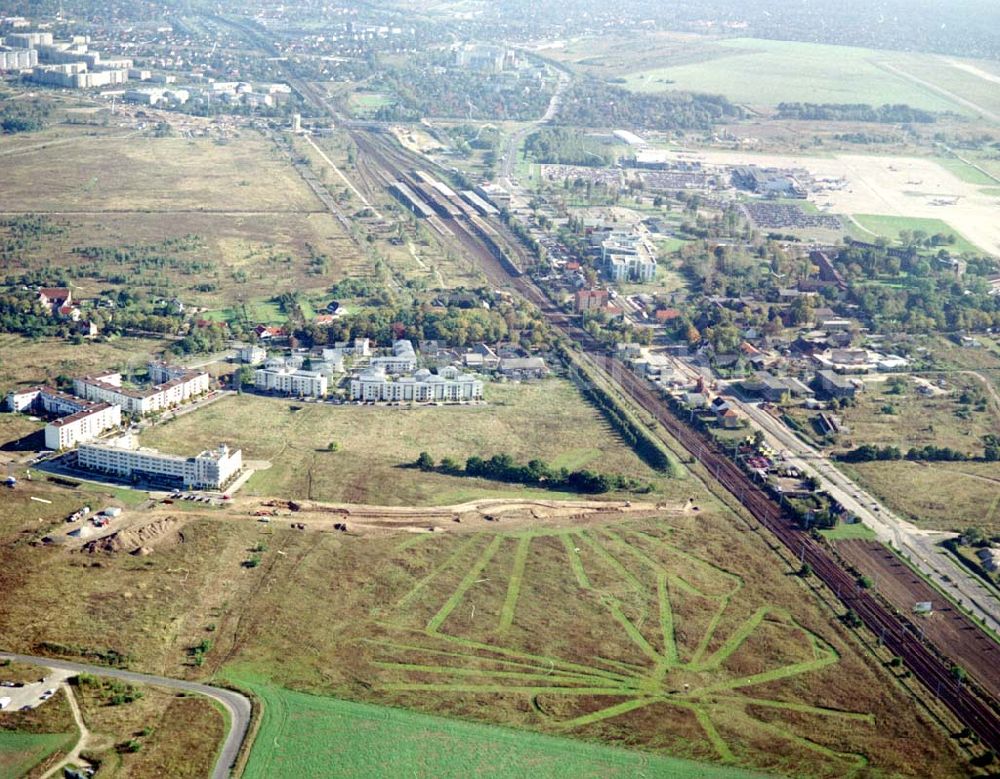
{"x":591,"y":300}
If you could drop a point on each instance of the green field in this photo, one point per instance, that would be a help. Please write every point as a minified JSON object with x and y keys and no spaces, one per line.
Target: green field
{"x":766,"y":72}
{"x":309,"y":735}
{"x":966,"y":172}
{"x":891,"y":226}
{"x":365,"y":103}
{"x":19,"y":752}
{"x":549,"y":420}
{"x":845,"y":532}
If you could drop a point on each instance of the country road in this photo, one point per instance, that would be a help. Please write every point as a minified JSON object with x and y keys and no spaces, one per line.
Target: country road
{"x":237,"y":705}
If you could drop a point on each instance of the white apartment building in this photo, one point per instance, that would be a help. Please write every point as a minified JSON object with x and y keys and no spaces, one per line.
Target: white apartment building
{"x":402,"y":360}
{"x":290,"y":381}
{"x":45,"y":399}
{"x":211,"y":469}
{"x":175,"y":385}
{"x":628,"y":256}
{"x":252,"y":354}
{"x":373,"y":386}
{"x":83,"y":426}
{"x":361,"y":347}
{"x":18,"y":59}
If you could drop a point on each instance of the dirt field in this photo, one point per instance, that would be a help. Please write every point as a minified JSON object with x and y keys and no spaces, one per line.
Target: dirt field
{"x":947,"y":626}
{"x":891,"y":186}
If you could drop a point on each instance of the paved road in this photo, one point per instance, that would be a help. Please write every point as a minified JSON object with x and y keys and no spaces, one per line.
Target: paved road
{"x":920,"y":545}
{"x":505,"y":179}
{"x":236,"y":704}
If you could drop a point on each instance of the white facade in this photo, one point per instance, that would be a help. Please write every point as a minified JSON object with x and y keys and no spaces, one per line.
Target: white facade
{"x":212,"y":469}
{"x":252,"y":355}
{"x":628,"y":256}
{"x":288,"y":381}
{"x":82,"y":426}
{"x":374,"y":386}
{"x":18,"y":59}
{"x":402,"y":360}
{"x":174,"y":386}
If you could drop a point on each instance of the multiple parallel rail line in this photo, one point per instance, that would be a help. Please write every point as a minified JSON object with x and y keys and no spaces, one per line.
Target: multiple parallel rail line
{"x":484,"y":242}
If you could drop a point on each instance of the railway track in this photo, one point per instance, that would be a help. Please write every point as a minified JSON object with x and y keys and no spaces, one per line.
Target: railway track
{"x":893,"y":630}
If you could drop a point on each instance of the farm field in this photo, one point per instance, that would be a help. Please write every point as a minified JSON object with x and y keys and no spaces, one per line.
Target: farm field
{"x":937,"y":496}
{"x":304,"y":734}
{"x":768,"y":72}
{"x":377,"y":444}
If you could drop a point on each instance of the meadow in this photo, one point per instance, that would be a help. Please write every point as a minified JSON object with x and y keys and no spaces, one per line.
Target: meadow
{"x":891,"y":226}
{"x":305,"y":735}
{"x":20,"y":752}
{"x":679,"y":634}
{"x":548,"y":420}
{"x":766,"y":72}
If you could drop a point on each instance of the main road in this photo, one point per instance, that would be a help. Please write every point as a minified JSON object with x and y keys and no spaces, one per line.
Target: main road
{"x":920,"y":545}
{"x":237,"y":705}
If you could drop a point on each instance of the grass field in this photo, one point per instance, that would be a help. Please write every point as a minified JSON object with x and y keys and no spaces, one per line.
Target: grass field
{"x":844,"y":532}
{"x":587,"y":630}
{"x":157,"y":174}
{"x":304,"y":735}
{"x":766,"y":72}
{"x":548,"y":420}
{"x":891,"y":226}
{"x":257,"y":227}
{"x":940,"y":496}
{"x":22,"y":361}
{"x":367,"y":103}
{"x":20,"y":752}
{"x":966,"y":172}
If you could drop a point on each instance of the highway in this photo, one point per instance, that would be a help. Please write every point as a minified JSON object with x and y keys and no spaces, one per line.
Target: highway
{"x":918,"y":544}
{"x":237,"y":705}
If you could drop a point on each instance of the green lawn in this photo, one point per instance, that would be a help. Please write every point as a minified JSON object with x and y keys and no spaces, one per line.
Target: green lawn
{"x":20,"y":752}
{"x":891,"y":226}
{"x":766,"y":72}
{"x":310,"y":735}
{"x":845,"y":532}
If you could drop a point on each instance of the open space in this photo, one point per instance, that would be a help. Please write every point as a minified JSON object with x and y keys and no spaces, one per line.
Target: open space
{"x":548,"y":420}
{"x":303,"y":735}
{"x":767,"y":72}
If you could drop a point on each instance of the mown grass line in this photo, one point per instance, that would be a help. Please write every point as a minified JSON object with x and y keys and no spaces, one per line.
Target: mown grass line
{"x":514,"y":583}
{"x":712,"y":734}
{"x":857,"y":760}
{"x":612,"y":711}
{"x":803,"y":708}
{"x":470,"y":578}
{"x":525,"y":676}
{"x":666,"y":620}
{"x":444,"y":566}
{"x":575,"y":562}
{"x":734,"y":641}
{"x":542,"y":670}
{"x":502,"y":689}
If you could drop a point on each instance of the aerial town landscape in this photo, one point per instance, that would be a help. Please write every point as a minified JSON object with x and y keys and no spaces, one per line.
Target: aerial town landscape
{"x":481,"y":389}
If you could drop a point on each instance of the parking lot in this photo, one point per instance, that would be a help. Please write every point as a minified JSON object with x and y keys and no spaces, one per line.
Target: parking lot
{"x":24,"y":696}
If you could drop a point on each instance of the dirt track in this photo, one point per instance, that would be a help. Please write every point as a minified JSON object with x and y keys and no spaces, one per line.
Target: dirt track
{"x":947,"y":626}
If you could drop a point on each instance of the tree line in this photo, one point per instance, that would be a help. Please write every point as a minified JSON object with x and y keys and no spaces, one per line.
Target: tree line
{"x":535,"y":473}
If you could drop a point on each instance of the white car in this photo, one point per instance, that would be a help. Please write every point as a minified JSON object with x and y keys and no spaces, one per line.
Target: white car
{"x":47,"y":694}
{"x":4,"y":703}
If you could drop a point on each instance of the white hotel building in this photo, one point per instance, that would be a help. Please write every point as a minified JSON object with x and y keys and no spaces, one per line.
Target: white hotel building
{"x":121,"y":457}
{"x":373,"y":386}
